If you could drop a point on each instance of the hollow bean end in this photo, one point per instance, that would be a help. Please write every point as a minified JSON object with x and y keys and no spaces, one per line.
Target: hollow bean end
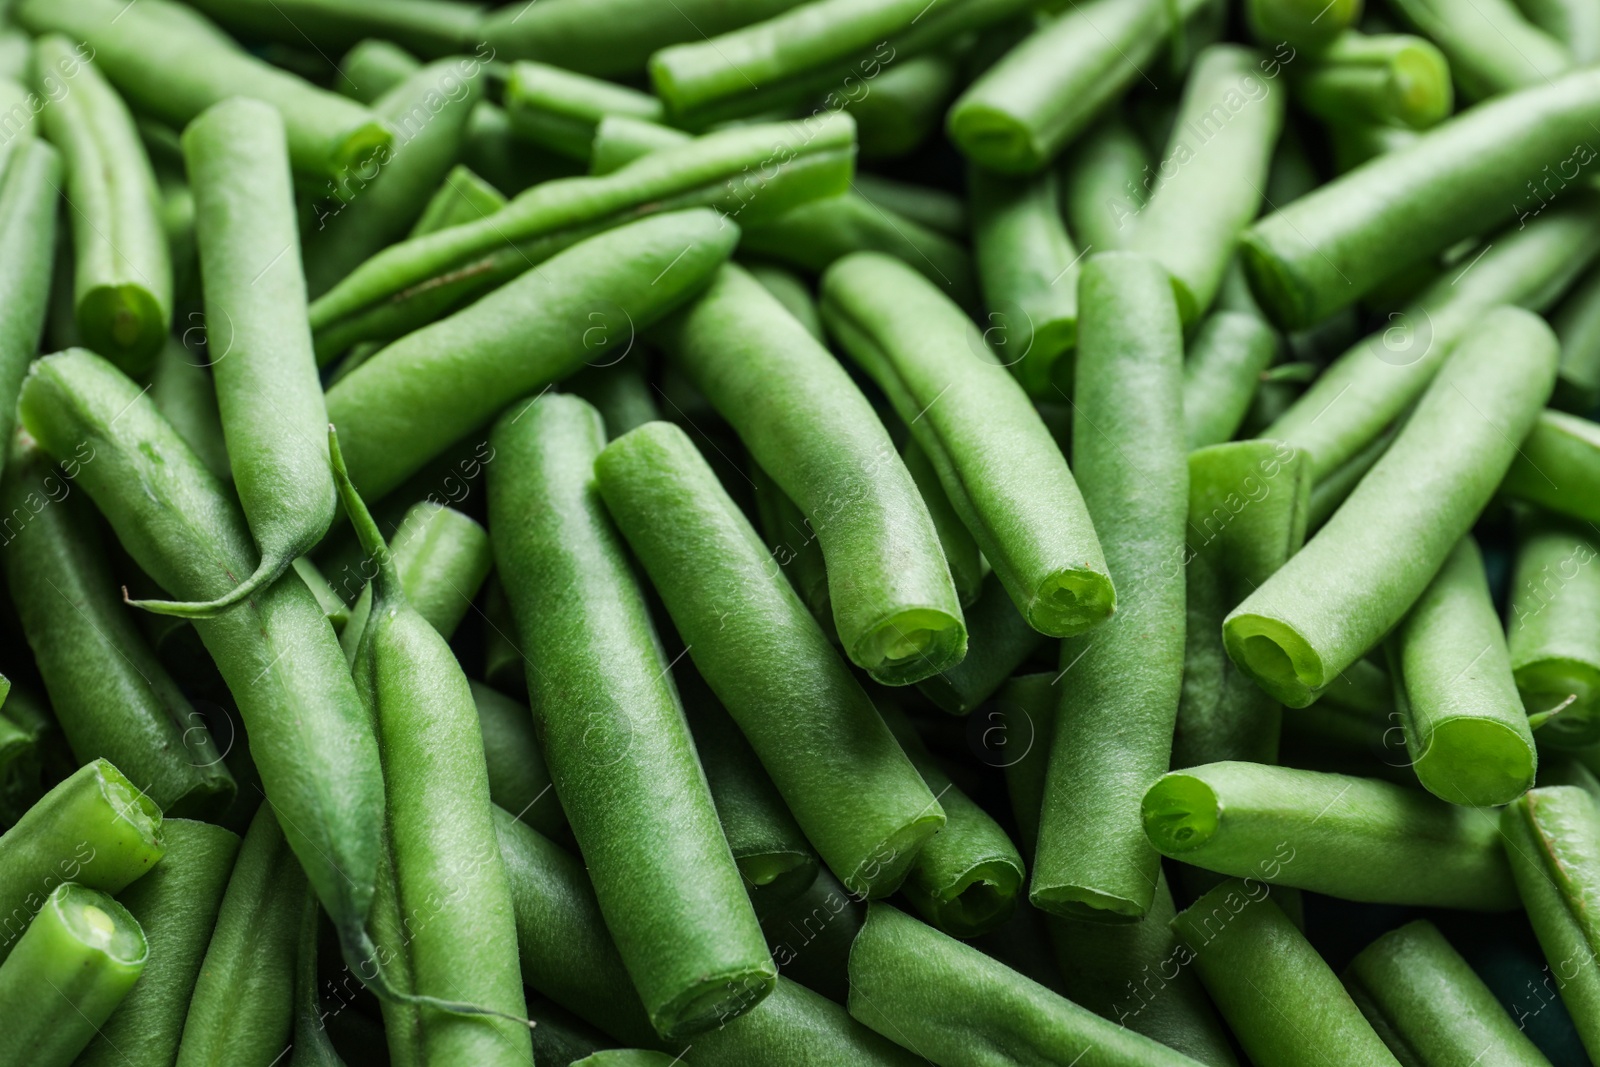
{"x":1279,"y":659}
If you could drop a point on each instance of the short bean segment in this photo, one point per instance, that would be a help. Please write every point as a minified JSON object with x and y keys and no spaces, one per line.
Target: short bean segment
{"x":1221,"y":373}
{"x":1388,"y":79}
{"x":1558,"y":466}
{"x":1493,"y":48}
{"x":1553,"y":628}
{"x":122,"y":286}
{"x":559,"y":109}
{"x":463,"y":196}
{"x":805,"y":422}
{"x":900,"y":108}
{"x":852,"y":789}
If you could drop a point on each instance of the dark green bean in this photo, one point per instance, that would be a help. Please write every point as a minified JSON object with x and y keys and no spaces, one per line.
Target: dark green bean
{"x":936,"y":209}
{"x":904,"y":105}
{"x":1221,"y":373}
{"x":29,"y":180}
{"x":1558,"y":466}
{"x":181,"y":386}
{"x":559,"y":110}
{"x":999,"y":640}
{"x":312,"y":1046}
{"x":1492,"y":47}
{"x":1553,"y":628}
{"x":428,"y":27}
{"x":519,"y":781}
{"x":1302,"y":23}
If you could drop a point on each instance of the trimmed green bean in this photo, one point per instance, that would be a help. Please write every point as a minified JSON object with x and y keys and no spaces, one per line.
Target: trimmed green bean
{"x":999,"y":640}
{"x":519,"y":781}
{"x":1337,"y":598}
{"x":1558,"y":466}
{"x":807,"y":424}
{"x":1355,"y":838}
{"x":559,"y":110}
{"x":427,"y":27}
{"x":904,"y":105}
{"x":1391,"y":79}
{"x":967,"y":567}
{"x":936,"y":209}
{"x":793,"y":543}
{"x":1105,"y":183}
{"x":90,"y":952}
{"x":462,"y":370}
{"x":1280,"y":998}
{"x":1492,"y":47}
{"x":1118,"y":708}
{"x":1553,"y":628}
{"x":181,"y":386}
{"x":1221,"y":372}
{"x":29,"y":182}
{"x":1302,"y":23}
{"x":848,"y":783}
{"x":461,"y":197}
{"x":122,"y":286}
{"x":613,"y":729}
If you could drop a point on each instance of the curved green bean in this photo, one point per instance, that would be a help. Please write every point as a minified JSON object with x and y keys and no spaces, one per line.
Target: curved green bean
{"x":1492,"y":47}
{"x":1221,"y":372}
{"x":1391,"y":79}
{"x":559,"y":110}
{"x":1558,"y":466}
{"x":427,"y":27}
{"x":1553,"y":628}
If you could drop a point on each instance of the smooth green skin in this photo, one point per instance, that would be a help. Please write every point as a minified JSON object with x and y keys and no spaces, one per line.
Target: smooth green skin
{"x":1028,"y":265}
{"x":807,"y":160}
{"x":310,"y":738}
{"x":268,"y":393}
{"x":1302,"y":23}
{"x":463,"y":196}
{"x":850,"y":786}
{"x":1221,"y":372}
{"x":896,"y":609}
{"x":1018,"y":727}
{"x":1281,"y":1000}
{"x":112,"y":697}
{"x":1465,"y":727}
{"x":122,"y":272}
{"x":794,"y":544}
{"x":999,"y":640}
{"x":937,"y":209}
{"x":312,"y":1046}
{"x":95,"y":829}
{"x":818,"y":48}
{"x":373,"y":67}
{"x":1552,"y":837}
{"x":89,"y":951}
{"x":375,"y":204}
{"x":792,"y":291}
{"x":613,"y":730}
{"x":1388,"y":79}
{"x":29,"y":183}
{"x":534,"y":331}
{"x":1197,"y":211}
{"x":519,"y":781}
{"x":176,"y":905}
{"x":1558,"y":466}
{"x":1001,"y":469}
{"x":1357,"y":143}
{"x":1338,"y":597}
{"x":1429,"y":1005}
{"x":620,"y":139}
{"x":427,"y":27}
{"x":1248,"y":502}
{"x":1575,"y":23}
{"x":1553,"y":627}
{"x":1333,"y":245}
{"x":568,"y":956}
{"x":904,"y":105}
{"x":1354,"y":838}
{"x":559,"y":109}
{"x":956,"y":1006}
{"x":1492,"y":48}
{"x":1576,"y":321}
{"x":181,"y":386}
{"x":172,"y":63}
{"x":1121,"y":701}
{"x":1104,"y":184}
{"x":444,"y":884}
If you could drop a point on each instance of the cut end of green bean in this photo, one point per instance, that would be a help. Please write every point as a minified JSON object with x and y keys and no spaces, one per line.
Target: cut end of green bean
{"x":766,"y":868}
{"x":720,"y":998}
{"x":911,"y":646}
{"x":1274,"y":286}
{"x":981,"y":901}
{"x":1278,"y":658}
{"x":881,"y":873}
{"x":994,"y":139}
{"x":129,"y":802}
{"x":268,"y":572}
{"x":353,"y":151}
{"x":1548,"y":684}
{"x":1420,"y":87}
{"x":1475,"y":761}
{"x":124,"y":323}
{"x":1180,"y":813}
{"x":1087,"y":905}
{"x":1071,"y":602}
{"x":100,"y":923}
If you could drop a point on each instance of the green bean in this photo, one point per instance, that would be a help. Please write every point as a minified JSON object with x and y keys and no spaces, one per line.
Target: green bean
{"x":792,"y":292}
{"x":28,"y":194}
{"x":1558,"y":466}
{"x":811,"y":935}
{"x":794,"y":544}
{"x":268,"y":394}
{"x":1355,"y":143}
{"x":954,"y":1005}
{"x":620,"y":139}
{"x":1355,"y":838}
{"x":16,"y":54}
{"x":181,"y":386}
{"x":559,"y":110}
{"x":333,"y":606}
{"x":809,"y":427}
{"x":310,"y":738}
{"x":613,"y":730}
{"x":1118,"y":710}
{"x":461,"y":197}
{"x":1576,"y":321}
{"x":1212,"y":174}
{"x":1021,"y":723}
{"x":1105,"y":183}
{"x":961,"y":552}
{"x":1492,"y":47}
{"x":1391,"y":79}
{"x":1332,"y":246}
{"x":903,"y":106}
{"x":999,"y":640}
{"x":464,"y":369}
{"x":428,"y":27}
{"x":1554,"y":628}
{"x":825,"y":46}
{"x":930,"y":360}
{"x":504,"y":665}
{"x":111,"y":695}
{"x":1465,"y":728}
{"x":1574,"y":23}
{"x":373,"y":67}
{"x":34,"y":754}
{"x":1221,"y":373}
{"x":176,"y":904}
{"x":442,"y":872}
{"x":1353,"y":582}
{"x":1028,"y":265}
{"x":500,"y":154}
{"x":627,"y":1057}
{"x":560,"y":1037}
{"x":95,"y":829}
{"x":936,"y":209}
{"x":1301,"y":23}
{"x":806,"y":160}
{"x":312,"y":1046}
{"x":851,"y":788}
{"x":1255,"y":963}
{"x":90,"y":952}
{"x":123,"y":273}
{"x":1427,"y":1004}
{"x":1335,"y":487}
{"x":519,"y":781}
{"x":172,"y":63}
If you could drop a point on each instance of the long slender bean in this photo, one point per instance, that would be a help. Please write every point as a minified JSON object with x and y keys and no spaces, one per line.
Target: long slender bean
{"x":904,"y":105}
{"x":1558,"y":466}
{"x":1221,"y":373}
{"x":1387,"y":79}
{"x":1492,"y":47}
{"x":427,"y":27}
{"x":999,"y":640}
{"x":28,"y":194}
{"x":1553,"y":628}
{"x":559,"y":109}
{"x":519,"y":781}
{"x":1104,"y":184}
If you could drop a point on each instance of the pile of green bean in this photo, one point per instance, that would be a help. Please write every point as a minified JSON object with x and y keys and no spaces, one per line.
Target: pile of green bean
{"x":800,"y":533}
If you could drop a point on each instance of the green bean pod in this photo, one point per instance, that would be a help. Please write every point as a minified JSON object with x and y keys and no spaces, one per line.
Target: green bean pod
{"x":613,"y":729}
{"x":111,"y":695}
{"x":310,"y":738}
{"x":1427,"y":1004}
{"x":794,"y":544}
{"x":172,"y":63}
{"x":1337,"y":598}
{"x":627,"y":1057}
{"x":176,"y":905}
{"x":1465,"y":727}
{"x":1336,"y":486}
{"x":937,"y":209}
{"x":32,"y":753}
{"x":333,"y":605}
{"x":28,"y":193}
{"x":903,"y":106}
{"x":1120,"y":703}
{"x":90,"y":952}
{"x":848,"y":783}
{"x":1553,"y":628}
{"x":1575,"y":23}
{"x":989,"y":446}
{"x":1558,"y":466}
{"x":464,"y":369}
{"x":1577,"y":322}
{"x":1221,"y":373}
{"x":1335,"y":244}
{"x":122,"y":272}
{"x":999,"y":640}
{"x":427,"y":27}
{"x":1254,"y":963}
{"x":559,"y":109}
{"x":1105,"y":183}
{"x":1355,"y":838}
{"x":1385,"y":79}
{"x":312,"y":1046}
{"x":95,"y":828}
{"x":519,"y":781}
{"x":1301,"y":23}
{"x":805,"y":422}
{"x":792,"y":292}
{"x":463,"y":196}
{"x":1493,"y":48}
{"x":181,"y":386}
